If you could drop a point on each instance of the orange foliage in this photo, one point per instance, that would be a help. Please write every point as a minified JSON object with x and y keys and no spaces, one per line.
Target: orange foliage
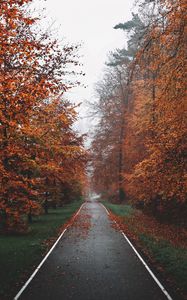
{"x":161,"y":175}
{"x":39,"y":149}
{"x":154,"y":127}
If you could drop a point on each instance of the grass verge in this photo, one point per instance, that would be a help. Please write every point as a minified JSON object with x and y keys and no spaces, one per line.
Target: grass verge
{"x":19,"y":255}
{"x":163,"y":244}
{"x":119,"y":209}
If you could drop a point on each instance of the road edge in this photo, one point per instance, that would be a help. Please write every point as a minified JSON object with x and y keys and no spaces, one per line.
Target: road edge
{"x":159,"y":284}
{"x":46,"y":256}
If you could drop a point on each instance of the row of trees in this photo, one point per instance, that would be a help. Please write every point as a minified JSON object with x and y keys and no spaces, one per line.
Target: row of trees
{"x":41,"y":156}
{"x":139,"y":144}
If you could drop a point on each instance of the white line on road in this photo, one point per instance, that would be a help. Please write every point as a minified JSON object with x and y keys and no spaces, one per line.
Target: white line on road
{"x":105,"y":208}
{"x":42,"y":262}
{"x":143,"y":262}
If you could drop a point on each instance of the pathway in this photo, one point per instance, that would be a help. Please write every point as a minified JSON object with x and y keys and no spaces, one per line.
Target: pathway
{"x":92,"y":261}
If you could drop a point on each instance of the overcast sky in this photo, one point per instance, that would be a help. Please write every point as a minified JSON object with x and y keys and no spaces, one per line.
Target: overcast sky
{"x":91,"y":24}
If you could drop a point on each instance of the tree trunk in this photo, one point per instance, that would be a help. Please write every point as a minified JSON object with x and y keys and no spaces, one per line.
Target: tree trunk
{"x":121,"y":193}
{"x":30,"y":216}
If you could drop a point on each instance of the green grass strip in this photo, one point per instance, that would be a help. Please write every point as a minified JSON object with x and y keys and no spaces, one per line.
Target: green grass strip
{"x":119,"y":209}
{"x":172,"y":258}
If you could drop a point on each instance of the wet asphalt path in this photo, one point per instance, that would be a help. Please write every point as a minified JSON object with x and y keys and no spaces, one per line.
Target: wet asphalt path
{"x":92,"y":261}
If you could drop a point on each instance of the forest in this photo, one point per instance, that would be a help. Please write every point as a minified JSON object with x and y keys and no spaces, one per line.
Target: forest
{"x":138,"y":149}
{"x":122,"y":199}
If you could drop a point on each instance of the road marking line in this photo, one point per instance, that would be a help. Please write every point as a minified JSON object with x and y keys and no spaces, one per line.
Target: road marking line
{"x":44,"y":259}
{"x":105,"y":208}
{"x":148,"y":269}
{"x":143,"y":262}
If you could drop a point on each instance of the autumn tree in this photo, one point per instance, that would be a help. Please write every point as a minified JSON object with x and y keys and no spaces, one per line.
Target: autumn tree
{"x":160,"y":178}
{"x":154,"y":133}
{"x":107,"y":146}
{"x":114,"y":94}
{"x":60,"y":153}
{"x":34,"y":122}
